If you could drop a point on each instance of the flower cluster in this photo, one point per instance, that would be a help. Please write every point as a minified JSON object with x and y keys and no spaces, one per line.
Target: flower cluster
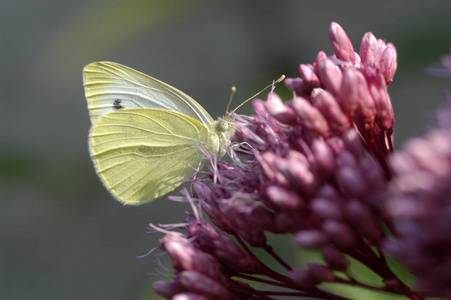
{"x":315,"y":167}
{"x":420,"y":200}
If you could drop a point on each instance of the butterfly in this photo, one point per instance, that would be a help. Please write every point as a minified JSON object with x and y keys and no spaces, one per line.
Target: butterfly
{"x":146,"y":136}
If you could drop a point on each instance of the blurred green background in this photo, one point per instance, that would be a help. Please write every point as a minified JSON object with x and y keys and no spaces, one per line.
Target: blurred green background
{"x":62,"y":236}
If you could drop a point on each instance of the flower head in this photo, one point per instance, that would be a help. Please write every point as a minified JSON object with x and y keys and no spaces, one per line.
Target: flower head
{"x":314,"y":167}
{"x":349,"y":90}
{"x":421,"y":204}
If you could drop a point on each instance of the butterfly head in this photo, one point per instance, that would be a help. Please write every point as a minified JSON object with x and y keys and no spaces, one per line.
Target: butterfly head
{"x":222,"y":131}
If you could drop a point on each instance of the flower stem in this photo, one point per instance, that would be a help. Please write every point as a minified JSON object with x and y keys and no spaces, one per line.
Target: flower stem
{"x":379,"y":266}
{"x":271,"y":252}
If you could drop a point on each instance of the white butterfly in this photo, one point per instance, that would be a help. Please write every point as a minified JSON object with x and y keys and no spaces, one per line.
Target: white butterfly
{"x":146,"y":135}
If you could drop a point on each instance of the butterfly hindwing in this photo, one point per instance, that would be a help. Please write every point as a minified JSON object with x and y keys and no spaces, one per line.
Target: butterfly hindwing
{"x":141,"y":154}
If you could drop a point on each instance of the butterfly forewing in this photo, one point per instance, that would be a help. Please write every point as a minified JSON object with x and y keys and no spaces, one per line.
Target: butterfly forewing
{"x":142,"y":154}
{"x":111,"y":86}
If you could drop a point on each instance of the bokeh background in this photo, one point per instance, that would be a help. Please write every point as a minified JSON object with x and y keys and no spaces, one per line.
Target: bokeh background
{"x":61,"y":235}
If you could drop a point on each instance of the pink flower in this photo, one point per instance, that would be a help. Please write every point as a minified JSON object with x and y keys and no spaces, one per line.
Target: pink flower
{"x":314,"y":167}
{"x":421,"y":203}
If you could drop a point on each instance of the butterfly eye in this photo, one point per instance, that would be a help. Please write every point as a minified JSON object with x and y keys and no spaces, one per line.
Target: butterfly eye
{"x":222,"y":127}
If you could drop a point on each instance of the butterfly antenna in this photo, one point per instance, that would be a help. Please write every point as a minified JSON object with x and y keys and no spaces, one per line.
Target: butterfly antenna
{"x":274,"y":83}
{"x":232,"y":93}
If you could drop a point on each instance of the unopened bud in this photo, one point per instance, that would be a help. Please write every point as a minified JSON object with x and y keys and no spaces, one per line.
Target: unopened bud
{"x":368,"y":49}
{"x":388,"y":63}
{"x":199,"y":283}
{"x":364,"y":223}
{"x":353,"y":90}
{"x":320,"y":273}
{"x":309,"y":116}
{"x":303,"y":278}
{"x":309,"y":76}
{"x":280,"y":111}
{"x":310,"y":238}
{"x":283,"y":197}
{"x":324,"y":158}
{"x":331,"y":76}
{"x":189,"y":296}
{"x":334,"y":258}
{"x":339,"y":233}
{"x":326,"y":208}
{"x":330,"y":109}
{"x":167,"y":289}
{"x":341,"y":43}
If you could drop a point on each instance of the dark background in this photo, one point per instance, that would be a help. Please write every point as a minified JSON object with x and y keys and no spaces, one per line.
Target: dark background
{"x":61,"y":235}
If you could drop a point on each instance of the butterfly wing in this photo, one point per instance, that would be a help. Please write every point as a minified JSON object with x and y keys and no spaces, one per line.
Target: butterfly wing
{"x":111,"y":86}
{"x":141,"y":154}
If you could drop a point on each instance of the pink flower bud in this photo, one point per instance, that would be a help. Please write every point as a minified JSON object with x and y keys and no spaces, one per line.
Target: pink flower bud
{"x":364,"y":223}
{"x":201,"y":284}
{"x":335,"y":143}
{"x":329,"y":192}
{"x":185,"y":257}
{"x":310,"y":238}
{"x":326,"y":208}
{"x":353,"y":90}
{"x":297,"y":170}
{"x":280,"y":111}
{"x":267,"y":162}
{"x":388,"y":63}
{"x":348,"y":159}
{"x":259,"y":107}
{"x":407,"y":207}
{"x":369,"y":49}
{"x":324,"y":158}
{"x":250,"y":136}
{"x":330,"y":109}
{"x":353,"y":143}
{"x":385,"y":116}
{"x":167,"y":289}
{"x":298,"y":86}
{"x":351,"y":181}
{"x":319,"y":57}
{"x":365,"y":114}
{"x":201,"y":190}
{"x":189,"y":296}
{"x":374,"y":176}
{"x":339,"y":233}
{"x":303,"y":278}
{"x":287,"y":221}
{"x":246,"y":219}
{"x":293,"y":84}
{"x":330,"y":75}
{"x":334,"y":258}
{"x":320,"y":273}
{"x":220,"y":245}
{"x":210,"y":206}
{"x":283,"y":197}
{"x":341,"y":43}
{"x":309,"y":116}
{"x":309,"y":76}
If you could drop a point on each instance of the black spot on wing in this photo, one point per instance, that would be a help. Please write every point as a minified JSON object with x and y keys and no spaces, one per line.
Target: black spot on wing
{"x":117,"y":104}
